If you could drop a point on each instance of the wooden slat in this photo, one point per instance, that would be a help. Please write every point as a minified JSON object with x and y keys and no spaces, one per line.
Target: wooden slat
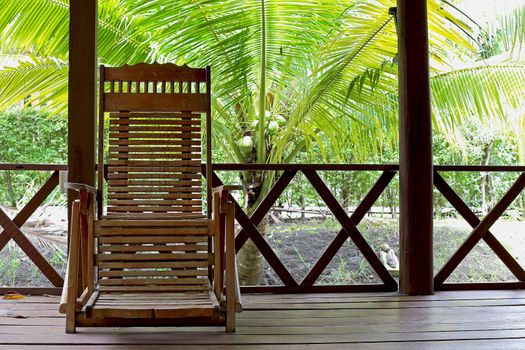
{"x":166,"y":209}
{"x":149,"y":149}
{"x":153,"y":216}
{"x":172,"y":231}
{"x":162,"y":191}
{"x":155,"y":72}
{"x":157,"y":156}
{"x":156,"y":128}
{"x":155,"y":102}
{"x":153,"y":281}
{"x":151,"y":121}
{"x":154,"y":135}
{"x":151,"y":248}
{"x":152,"y":257}
{"x":193,"y":174}
{"x":173,"y":165}
{"x":153,"y":175}
{"x":156,"y":182}
{"x":152,"y":264}
{"x":160,"y":142}
{"x":188,"y":194}
{"x":169,"y":298}
{"x":181,"y":288}
{"x":146,"y":273}
{"x":151,"y":223}
{"x":152,"y":239}
{"x":160,"y":202}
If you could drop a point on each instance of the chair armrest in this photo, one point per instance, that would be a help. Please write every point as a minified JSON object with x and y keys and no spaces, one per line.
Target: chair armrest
{"x":80,"y":187}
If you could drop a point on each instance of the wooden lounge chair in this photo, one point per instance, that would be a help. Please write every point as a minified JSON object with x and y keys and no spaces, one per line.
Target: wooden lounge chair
{"x":153,"y":258}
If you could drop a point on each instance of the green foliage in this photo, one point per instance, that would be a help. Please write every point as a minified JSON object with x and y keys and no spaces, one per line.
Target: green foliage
{"x":29,"y":135}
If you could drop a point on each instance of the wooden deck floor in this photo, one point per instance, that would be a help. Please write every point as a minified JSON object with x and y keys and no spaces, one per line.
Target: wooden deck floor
{"x":447,"y":320}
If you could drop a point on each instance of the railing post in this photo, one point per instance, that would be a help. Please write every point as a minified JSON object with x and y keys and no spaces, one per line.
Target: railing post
{"x":82,"y":92}
{"x":415,"y":149}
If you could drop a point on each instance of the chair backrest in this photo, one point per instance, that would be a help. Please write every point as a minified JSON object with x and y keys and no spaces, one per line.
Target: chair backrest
{"x":154,"y":162}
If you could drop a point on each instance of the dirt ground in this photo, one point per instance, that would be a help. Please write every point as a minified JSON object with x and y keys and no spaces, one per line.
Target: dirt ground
{"x":298,"y":244}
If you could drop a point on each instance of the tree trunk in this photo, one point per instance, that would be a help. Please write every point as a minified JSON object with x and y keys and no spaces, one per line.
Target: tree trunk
{"x":486,"y":184}
{"x":249,"y":258}
{"x":8,"y":176}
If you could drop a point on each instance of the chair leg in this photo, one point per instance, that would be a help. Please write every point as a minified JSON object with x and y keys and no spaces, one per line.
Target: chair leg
{"x":230,"y":268}
{"x":70,"y":326}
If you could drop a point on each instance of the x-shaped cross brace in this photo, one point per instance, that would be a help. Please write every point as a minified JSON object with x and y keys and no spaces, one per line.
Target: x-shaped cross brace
{"x":349,"y":224}
{"x":11,"y":230}
{"x":480,"y":229}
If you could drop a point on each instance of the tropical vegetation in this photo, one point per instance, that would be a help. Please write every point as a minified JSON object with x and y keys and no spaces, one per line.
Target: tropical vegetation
{"x":291,"y":78}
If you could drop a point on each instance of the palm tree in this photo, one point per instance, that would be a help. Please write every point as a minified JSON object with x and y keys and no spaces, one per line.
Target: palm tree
{"x":287,"y":74}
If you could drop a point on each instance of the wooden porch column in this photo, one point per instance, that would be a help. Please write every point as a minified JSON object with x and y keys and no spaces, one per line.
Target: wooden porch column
{"x":415,"y":150}
{"x":82,"y":91}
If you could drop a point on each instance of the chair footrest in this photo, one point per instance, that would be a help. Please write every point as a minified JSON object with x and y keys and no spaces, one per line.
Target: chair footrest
{"x":154,"y":305}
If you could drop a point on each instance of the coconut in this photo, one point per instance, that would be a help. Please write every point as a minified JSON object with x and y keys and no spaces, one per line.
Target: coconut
{"x":245,"y":145}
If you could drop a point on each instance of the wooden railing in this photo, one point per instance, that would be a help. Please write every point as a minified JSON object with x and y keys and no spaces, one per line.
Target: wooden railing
{"x":480,"y":228}
{"x":11,"y":227}
{"x":350,"y":231}
{"x":349,"y":223}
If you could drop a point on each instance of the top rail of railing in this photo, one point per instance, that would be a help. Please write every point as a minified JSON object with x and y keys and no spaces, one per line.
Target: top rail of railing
{"x":297,"y":167}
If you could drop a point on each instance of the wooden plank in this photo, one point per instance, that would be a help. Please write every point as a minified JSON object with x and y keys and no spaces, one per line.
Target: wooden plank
{"x":38,"y":167}
{"x":151,"y":248}
{"x":151,"y":257}
{"x":154,"y":135}
{"x":149,"y":149}
{"x":151,"y":223}
{"x":134,"y":142}
{"x":365,"y":326}
{"x":114,"y":102}
{"x":153,"y":282}
{"x":154,"y":209}
{"x":146,"y":273}
{"x":157,"y":288}
{"x":165,"y":190}
{"x":153,"y":216}
{"x":152,"y":265}
{"x":156,"y":128}
{"x":163,"y":196}
{"x":161,"y":202}
{"x":481,"y":168}
{"x":301,"y":167}
{"x":150,"y":121}
{"x":152,"y":175}
{"x":164,"y":169}
{"x":161,"y":209}
{"x":160,"y":72}
{"x":153,"y":240}
{"x":415,"y":149}
{"x":155,"y":156}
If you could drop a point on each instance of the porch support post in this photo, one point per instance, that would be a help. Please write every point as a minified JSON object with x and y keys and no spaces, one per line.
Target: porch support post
{"x":415,"y":150}
{"x":82,"y":92}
